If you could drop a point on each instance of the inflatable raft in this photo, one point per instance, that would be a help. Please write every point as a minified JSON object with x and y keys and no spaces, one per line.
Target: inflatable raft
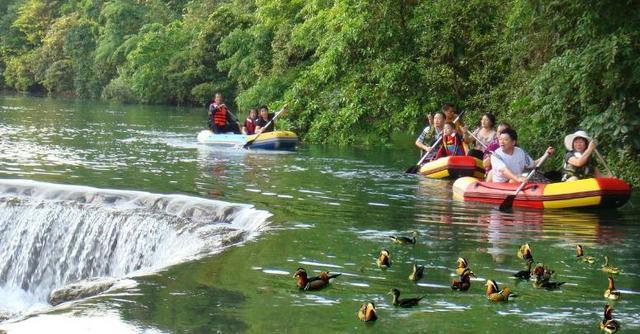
{"x":276,"y":140}
{"x":453,"y":167}
{"x":595,"y":192}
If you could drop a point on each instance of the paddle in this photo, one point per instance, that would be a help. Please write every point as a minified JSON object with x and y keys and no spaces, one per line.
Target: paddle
{"x":476,"y":138}
{"x":604,"y":163}
{"x":250,"y":141}
{"x":508,"y":202}
{"x":414,"y":169}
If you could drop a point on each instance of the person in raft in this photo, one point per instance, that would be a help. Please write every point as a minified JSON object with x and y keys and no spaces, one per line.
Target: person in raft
{"x":249,"y":126}
{"x":221,"y":119}
{"x":509,"y":161}
{"x":450,"y":115}
{"x":452,"y":142}
{"x":264,"y":118}
{"x":578,"y":162}
{"x":492,"y":146}
{"x":431,"y":132}
{"x":484,"y":134}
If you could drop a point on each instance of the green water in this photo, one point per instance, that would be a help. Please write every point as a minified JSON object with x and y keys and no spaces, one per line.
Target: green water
{"x":333,"y":209}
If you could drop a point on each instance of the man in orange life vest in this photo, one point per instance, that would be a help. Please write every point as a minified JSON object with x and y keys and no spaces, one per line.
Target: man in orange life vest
{"x":220,"y":115}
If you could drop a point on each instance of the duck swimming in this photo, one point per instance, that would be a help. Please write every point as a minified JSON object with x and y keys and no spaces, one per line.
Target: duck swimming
{"x":461,"y":265}
{"x":384,"y":259}
{"x":303,"y":282}
{"x":464,"y":283}
{"x":405,"y":240}
{"x":524,"y":252}
{"x":404,"y":302}
{"x":611,"y":292}
{"x":608,"y":325}
{"x":607,"y":268}
{"x":417,"y":274}
{"x":543,"y":278}
{"x":524,"y":274}
{"x":367,"y":312}
{"x":580,"y":255}
{"x":494,"y":293}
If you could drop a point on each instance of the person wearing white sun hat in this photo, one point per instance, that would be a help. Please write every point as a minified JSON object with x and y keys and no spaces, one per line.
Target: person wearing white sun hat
{"x":578,"y":162}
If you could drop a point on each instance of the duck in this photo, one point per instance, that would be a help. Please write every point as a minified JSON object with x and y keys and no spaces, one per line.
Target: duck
{"x":524,"y":252}
{"x":608,"y":325}
{"x":611,"y":292}
{"x":464,"y":283}
{"x":367,"y":312}
{"x":494,"y":293}
{"x":524,"y":274}
{"x":543,"y":278}
{"x":607,"y":268}
{"x":580,"y":255}
{"x":405,"y":240}
{"x":417,"y":274}
{"x":404,"y":302}
{"x":461,"y":265}
{"x":492,"y":287}
{"x":384,"y":259}
{"x":312,"y":283}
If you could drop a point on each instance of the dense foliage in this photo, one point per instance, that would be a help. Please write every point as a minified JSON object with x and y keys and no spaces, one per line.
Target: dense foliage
{"x":351,"y":71}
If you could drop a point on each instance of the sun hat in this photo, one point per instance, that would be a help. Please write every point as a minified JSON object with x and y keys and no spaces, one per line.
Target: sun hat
{"x":568,"y":140}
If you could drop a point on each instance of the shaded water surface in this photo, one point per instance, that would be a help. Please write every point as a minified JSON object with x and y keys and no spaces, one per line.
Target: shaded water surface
{"x":332,"y":209}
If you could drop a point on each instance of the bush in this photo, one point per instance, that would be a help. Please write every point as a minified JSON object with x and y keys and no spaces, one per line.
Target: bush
{"x":58,"y":78}
{"x":119,"y":90}
{"x":202,"y":93}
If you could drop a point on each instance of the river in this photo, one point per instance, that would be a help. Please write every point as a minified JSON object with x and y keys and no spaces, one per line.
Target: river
{"x":203,"y":239}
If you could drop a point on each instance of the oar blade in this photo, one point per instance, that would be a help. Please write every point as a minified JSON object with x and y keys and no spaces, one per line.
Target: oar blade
{"x":507,"y":204}
{"x":412,"y":170}
{"x":248,"y":143}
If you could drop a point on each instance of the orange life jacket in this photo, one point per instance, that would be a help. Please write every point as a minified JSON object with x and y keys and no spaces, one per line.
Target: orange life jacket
{"x":220,"y":116}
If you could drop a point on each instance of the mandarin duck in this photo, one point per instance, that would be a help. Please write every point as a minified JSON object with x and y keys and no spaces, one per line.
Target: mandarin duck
{"x":611,"y":292}
{"x":405,"y":240}
{"x":524,"y":274}
{"x":464,"y":283}
{"x":403,"y":302}
{"x":608,"y":325}
{"x":367,"y":312}
{"x":494,"y":293}
{"x":524,"y":252}
{"x":312,"y":283}
{"x":417,"y":274}
{"x":543,"y":278}
{"x":584,"y":258}
{"x":461,"y":265}
{"x":384,"y":259}
{"x":607,"y":268}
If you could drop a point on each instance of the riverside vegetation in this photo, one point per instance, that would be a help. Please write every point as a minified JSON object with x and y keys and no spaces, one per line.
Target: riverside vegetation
{"x":351,"y":71}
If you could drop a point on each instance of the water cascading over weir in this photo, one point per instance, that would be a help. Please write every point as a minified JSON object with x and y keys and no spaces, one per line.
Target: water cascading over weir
{"x":52,"y":235}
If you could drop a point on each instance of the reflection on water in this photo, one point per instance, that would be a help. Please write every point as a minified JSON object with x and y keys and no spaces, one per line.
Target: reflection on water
{"x":333,"y":210}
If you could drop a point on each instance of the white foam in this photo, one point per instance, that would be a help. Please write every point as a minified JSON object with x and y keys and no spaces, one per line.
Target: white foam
{"x":52,"y":235}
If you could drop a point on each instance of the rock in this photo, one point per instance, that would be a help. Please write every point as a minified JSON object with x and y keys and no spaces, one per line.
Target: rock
{"x":79,"y":290}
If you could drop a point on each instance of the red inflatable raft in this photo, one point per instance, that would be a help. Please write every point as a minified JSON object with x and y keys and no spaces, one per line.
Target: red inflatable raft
{"x":453,"y":167}
{"x":595,"y":192}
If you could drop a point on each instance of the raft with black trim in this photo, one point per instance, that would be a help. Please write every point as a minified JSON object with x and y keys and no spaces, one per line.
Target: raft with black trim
{"x":453,"y":167}
{"x":275,"y":140}
{"x":594,"y":192}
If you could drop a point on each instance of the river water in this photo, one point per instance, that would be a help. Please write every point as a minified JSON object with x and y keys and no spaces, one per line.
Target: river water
{"x":203,"y":239}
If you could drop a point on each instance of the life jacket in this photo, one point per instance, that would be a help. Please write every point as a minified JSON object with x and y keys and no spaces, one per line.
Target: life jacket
{"x":250,"y":125}
{"x":569,"y":170}
{"x":220,"y":115}
{"x":451,"y":146}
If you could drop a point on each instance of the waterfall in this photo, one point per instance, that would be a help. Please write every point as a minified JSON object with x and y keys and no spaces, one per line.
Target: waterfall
{"x":52,"y":235}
